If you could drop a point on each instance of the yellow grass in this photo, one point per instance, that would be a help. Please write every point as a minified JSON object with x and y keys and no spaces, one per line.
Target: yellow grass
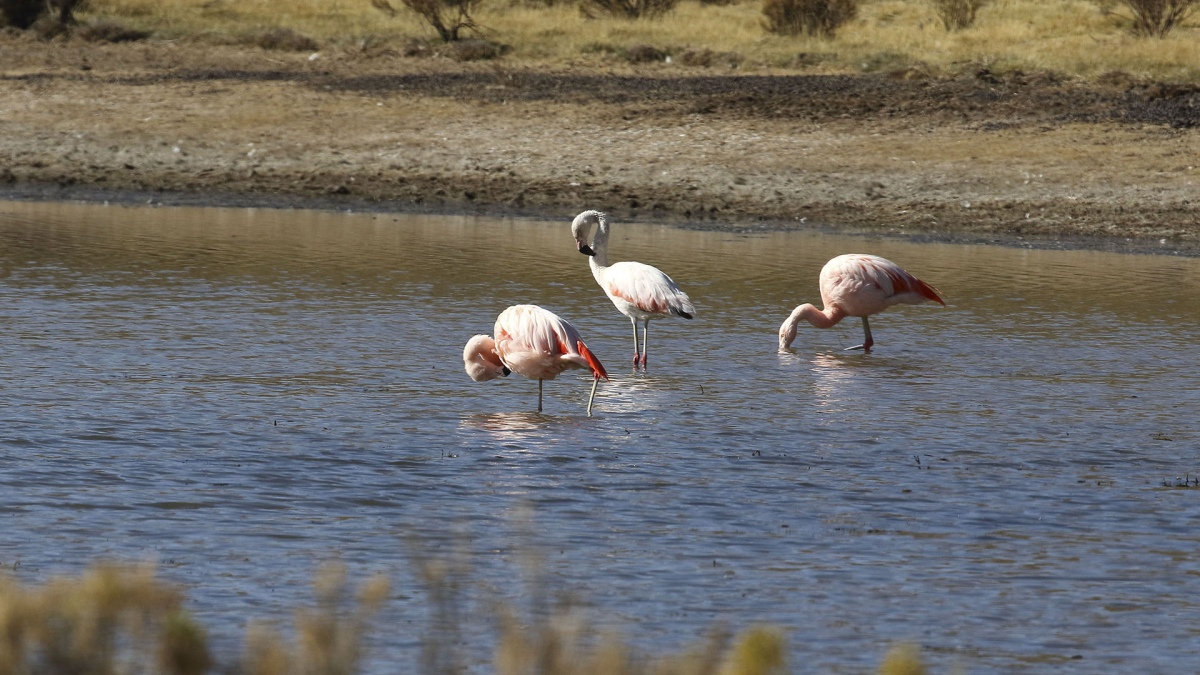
{"x":1073,"y":37}
{"x":121,"y":618}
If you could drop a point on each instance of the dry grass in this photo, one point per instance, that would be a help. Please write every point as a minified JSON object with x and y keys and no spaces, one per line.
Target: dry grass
{"x":121,"y":619}
{"x":110,"y":619}
{"x":1074,"y":37}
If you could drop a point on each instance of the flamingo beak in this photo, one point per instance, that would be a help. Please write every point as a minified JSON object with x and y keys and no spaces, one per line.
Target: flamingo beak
{"x":585,"y":249}
{"x":505,"y":370}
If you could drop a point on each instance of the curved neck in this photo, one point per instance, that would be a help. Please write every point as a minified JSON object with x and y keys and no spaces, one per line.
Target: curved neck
{"x":600,"y":244}
{"x":821,"y":319}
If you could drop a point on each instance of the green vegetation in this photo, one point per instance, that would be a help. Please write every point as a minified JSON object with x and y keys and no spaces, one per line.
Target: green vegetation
{"x":122,"y":619}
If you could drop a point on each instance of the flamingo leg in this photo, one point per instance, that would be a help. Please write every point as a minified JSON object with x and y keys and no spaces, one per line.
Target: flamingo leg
{"x":645,"y":329}
{"x":595,"y":381}
{"x":867,"y":339}
{"x":539,"y":395}
{"x":637,"y":352}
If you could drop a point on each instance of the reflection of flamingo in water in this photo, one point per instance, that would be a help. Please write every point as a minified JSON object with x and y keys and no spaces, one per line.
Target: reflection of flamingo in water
{"x":640,"y":292}
{"x":533,"y":342}
{"x":858,"y":285}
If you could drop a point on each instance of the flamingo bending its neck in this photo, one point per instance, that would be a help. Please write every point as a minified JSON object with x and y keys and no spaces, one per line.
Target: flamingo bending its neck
{"x":858,"y":285}
{"x":639,"y":291}
{"x":533,"y":342}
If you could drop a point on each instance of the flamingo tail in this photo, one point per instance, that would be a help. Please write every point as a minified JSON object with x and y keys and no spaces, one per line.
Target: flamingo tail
{"x":597,"y":367}
{"x":929,"y":292}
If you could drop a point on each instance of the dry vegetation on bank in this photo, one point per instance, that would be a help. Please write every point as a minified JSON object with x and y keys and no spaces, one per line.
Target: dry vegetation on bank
{"x":1084,"y":38}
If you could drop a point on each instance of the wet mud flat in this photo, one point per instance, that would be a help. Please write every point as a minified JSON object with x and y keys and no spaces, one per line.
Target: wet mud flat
{"x":979,"y":156}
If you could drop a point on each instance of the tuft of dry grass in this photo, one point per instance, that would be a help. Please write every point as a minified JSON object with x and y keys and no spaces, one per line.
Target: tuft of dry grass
{"x":107,"y":619}
{"x":903,"y":659}
{"x":329,"y":636}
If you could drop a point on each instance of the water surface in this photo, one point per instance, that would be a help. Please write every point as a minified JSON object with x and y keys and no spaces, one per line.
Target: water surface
{"x":241,"y":395}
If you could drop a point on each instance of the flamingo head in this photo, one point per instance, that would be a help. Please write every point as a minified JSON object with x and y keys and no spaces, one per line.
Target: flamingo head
{"x":481,"y":360}
{"x":581,"y":229}
{"x":787,"y":333}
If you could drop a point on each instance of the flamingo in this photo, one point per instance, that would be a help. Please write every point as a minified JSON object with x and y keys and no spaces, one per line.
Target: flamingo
{"x":858,"y":285}
{"x":639,"y":291}
{"x":533,"y":342}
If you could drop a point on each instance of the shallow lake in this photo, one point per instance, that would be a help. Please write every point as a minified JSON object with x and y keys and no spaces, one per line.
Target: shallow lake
{"x":241,"y":395}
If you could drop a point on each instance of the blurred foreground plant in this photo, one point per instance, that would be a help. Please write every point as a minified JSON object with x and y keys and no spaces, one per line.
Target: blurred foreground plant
{"x":113,"y":618}
{"x":329,"y":636}
{"x":121,"y":619}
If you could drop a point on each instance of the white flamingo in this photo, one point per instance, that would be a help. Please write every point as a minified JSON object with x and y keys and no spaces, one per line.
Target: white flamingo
{"x":858,"y":285}
{"x":640,"y":292}
{"x":533,"y":342}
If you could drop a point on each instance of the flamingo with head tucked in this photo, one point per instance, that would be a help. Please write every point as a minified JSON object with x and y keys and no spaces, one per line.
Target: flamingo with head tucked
{"x":639,"y":291}
{"x":858,"y":285}
{"x":533,"y":342}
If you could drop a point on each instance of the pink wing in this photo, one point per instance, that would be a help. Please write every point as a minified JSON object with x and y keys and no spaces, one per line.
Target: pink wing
{"x":648,"y":288}
{"x":537,"y":343}
{"x":896,"y":284}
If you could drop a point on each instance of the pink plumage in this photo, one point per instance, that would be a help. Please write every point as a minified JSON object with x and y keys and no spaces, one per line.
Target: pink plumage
{"x":858,"y":285}
{"x":532,"y":342}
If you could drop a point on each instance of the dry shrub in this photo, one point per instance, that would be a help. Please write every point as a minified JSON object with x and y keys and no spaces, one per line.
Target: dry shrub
{"x":476,"y":50}
{"x":25,"y":13}
{"x":284,"y":39}
{"x":644,"y":54}
{"x":450,"y":18}
{"x":628,"y":9}
{"x":1156,"y":18}
{"x":21,"y":13}
{"x":819,"y":18}
{"x":110,"y":31}
{"x":958,"y":14}
{"x":706,"y":58}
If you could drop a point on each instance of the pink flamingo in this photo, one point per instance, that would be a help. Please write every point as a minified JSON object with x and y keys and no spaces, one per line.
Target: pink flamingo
{"x":533,"y":342}
{"x":640,"y":292}
{"x":858,"y":285}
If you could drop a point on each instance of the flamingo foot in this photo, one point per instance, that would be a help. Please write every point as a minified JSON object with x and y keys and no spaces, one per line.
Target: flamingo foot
{"x":643,"y":361}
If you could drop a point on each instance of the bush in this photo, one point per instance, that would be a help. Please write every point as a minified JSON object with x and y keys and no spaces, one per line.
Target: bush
{"x":958,"y":14}
{"x":284,"y":39}
{"x":450,"y":18}
{"x":645,"y":54}
{"x":21,"y":13}
{"x":819,"y":18}
{"x":25,"y":13}
{"x":629,"y":9}
{"x":1156,"y":18}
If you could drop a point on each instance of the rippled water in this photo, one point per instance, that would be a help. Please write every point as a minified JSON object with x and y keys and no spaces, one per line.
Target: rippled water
{"x":242,"y":394}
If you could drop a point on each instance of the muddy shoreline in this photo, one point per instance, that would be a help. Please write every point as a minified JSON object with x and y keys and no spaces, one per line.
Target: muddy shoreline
{"x":1014,"y":159}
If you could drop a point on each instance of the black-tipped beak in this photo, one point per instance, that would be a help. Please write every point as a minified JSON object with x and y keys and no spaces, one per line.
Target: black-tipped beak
{"x":586,"y":250}
{"x":505,"y":370}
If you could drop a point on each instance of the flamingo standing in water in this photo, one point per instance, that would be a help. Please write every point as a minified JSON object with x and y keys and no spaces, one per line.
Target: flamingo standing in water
{"x":533,"y":342}
{"x":858,"y":285}
{"x":640,"y":292}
